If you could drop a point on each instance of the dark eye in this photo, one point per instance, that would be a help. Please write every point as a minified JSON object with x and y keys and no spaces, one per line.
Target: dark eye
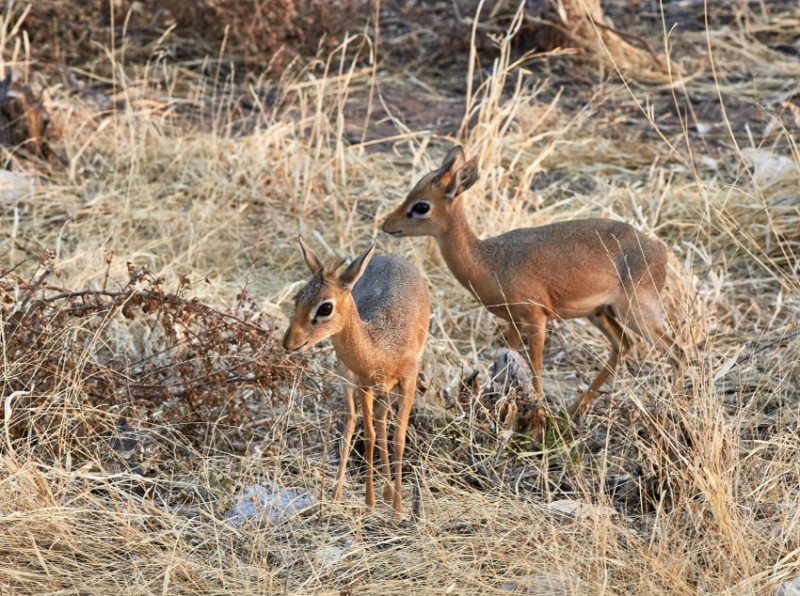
{"x":420,"y":208}
{"x":325,"y":309}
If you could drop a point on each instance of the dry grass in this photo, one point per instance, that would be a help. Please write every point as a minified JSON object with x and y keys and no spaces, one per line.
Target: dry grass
{"x":195,"y":176}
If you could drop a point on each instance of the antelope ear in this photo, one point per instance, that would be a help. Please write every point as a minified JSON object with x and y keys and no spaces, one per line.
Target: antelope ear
{"x":354,"y":270}
{"x":463,"y":179}
{"x":313,"y":262}
{"x":452,"y":162}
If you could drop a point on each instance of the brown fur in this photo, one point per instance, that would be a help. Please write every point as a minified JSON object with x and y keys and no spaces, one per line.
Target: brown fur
{"x":603,"y":270}
{"x":378,"y":328}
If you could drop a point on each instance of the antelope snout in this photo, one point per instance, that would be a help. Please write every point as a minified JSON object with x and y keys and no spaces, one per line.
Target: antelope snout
{"x":291,"y":343}
{"x":287,"y":337}
{"x":389,"y":228}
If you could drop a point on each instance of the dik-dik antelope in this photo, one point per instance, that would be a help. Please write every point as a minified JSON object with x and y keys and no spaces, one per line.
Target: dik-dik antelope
{"x":376,"y":313}
{"x":603,"y":270}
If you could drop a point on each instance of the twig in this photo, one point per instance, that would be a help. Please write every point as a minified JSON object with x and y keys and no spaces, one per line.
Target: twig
{"x":760,"y":349}
{"x":35,"y":285}
{"x":14,"y":268}
{"x":633,"y":36}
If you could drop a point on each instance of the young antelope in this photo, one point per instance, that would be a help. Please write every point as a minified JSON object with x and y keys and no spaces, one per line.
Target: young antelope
{"x":376,"y":313}
{"x":603,"y":270}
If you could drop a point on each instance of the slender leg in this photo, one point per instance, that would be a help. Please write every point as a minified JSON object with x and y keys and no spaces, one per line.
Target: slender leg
{"x":405,"y":401}
{"x":512,"y":336}
{"x":620,"y":344}
{"x":382,"y":408}
{"x":369,"y":441}
{"x":537,"y":325}
{"x":347,"y":436}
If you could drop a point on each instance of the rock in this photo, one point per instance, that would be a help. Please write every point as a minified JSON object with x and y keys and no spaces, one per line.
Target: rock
{"x":580,"y":510}
{"x":15,"y":186}
{"x":511,"y":373}
{"x":791,"y":588}
{"x":268,"y":502}
{"x":511,"y":386}
{"x":330,"y":556}
{"x":768,"y":167}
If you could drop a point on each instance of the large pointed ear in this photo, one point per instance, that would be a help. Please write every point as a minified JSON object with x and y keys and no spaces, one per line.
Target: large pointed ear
{"x":463,"y":179}
{"x":350,"y":276}
{"x":451,"y":163}
{"x":313,"y":262}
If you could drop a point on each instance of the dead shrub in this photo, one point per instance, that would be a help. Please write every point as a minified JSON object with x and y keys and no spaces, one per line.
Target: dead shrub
{"x":166,"y":355}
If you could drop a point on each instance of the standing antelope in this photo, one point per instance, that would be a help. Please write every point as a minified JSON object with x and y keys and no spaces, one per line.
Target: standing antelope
{"x":603,"y":270}
{"x":376,"y":313}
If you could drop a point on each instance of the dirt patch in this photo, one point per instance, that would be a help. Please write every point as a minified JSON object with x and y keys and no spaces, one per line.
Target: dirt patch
{"x":398,"y":107}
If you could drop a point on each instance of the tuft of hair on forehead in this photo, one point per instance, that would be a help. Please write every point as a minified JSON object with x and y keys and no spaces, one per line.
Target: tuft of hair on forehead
{"x":422,"y":183}
{"x":312,"y":287}
{"x":334,"y":265}
{"x":318,"y":279}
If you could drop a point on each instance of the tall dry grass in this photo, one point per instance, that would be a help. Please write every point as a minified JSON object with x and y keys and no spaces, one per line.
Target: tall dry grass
{"x":182,"y":179}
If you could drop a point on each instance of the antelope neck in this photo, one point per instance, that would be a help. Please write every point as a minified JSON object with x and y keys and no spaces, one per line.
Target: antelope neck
{"x":353,"y":341}
{"x":461,"y":250}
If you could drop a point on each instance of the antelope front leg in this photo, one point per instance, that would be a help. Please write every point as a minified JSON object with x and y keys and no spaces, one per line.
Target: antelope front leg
{"x":369,"y":441}
{"x":512,"y":336}
{"x":405,"y":401}
{"x":382,"y":409}
{"x":537,"y":325}
{"x":620,"y":344}
{"x":347,"y":438}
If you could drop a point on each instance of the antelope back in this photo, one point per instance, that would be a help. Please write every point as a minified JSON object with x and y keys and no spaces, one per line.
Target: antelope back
{"x":392,"y":299}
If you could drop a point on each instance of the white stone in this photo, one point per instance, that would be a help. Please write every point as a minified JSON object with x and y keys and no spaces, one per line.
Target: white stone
{"x":769,"y":167}
{"x":789,"y":588}
{"x":270,"y":503}
{"x":15,"y":185}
